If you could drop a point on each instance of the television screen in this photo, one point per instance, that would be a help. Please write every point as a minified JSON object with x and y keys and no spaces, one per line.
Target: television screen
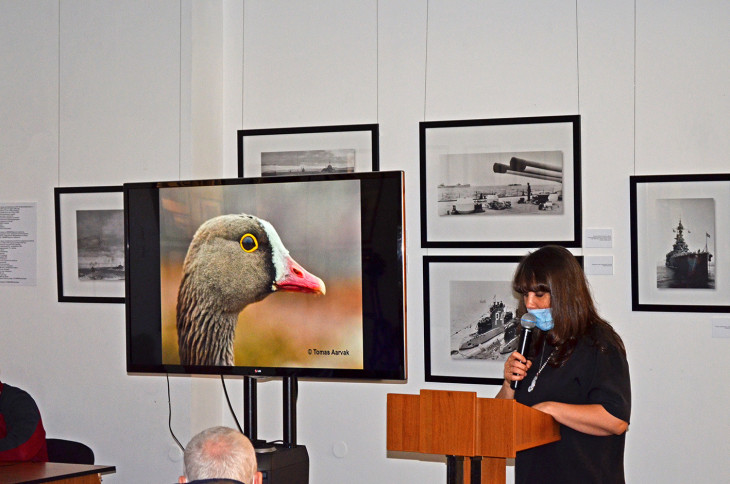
{"x":275,"y":276}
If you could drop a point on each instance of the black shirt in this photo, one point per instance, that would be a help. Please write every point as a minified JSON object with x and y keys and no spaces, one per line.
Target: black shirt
{"x":590,"y":376}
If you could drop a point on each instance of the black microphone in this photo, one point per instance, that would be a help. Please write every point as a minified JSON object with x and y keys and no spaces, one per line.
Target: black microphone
{"x":527,"y":322}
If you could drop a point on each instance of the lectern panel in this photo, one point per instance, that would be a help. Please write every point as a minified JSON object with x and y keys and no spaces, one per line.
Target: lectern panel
{"x":496,"y":430}
{"x":460,"y":425}
{"x":447,"y":424}
{"x":403,"y":422}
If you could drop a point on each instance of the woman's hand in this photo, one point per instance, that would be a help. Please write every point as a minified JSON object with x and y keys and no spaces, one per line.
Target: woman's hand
{"x":516,"y":366}
{"x":515,"y":369}
{"x":590,"y":419}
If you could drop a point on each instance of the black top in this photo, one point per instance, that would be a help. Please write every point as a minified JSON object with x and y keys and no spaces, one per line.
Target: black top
{"x":22,"y":436}
{"x":589,"y":376}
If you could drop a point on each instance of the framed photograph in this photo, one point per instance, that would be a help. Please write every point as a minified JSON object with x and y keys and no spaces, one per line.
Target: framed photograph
{"x":679,"y":223}
{"x":470,"y":317}
{"x":90,"y":244}
{"x":512,"y":182}
{"x":308,"y":150}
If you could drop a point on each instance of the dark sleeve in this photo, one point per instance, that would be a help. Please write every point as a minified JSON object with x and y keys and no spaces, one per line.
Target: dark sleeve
{"x":611,"y":383}
{"x":22,"y":422}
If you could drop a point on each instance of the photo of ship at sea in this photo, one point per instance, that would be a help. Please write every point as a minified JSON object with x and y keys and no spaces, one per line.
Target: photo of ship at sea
{"x":688,"y":257}
{"x":309,"y":162}
{"x":501,"y":183}
{"x":483,"y":320}
{"x":100,"y":245}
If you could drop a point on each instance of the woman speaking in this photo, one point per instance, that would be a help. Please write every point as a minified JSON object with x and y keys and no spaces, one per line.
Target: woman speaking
{"x":575,"y":370}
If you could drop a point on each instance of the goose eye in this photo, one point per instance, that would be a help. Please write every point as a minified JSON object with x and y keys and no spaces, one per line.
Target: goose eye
{"x":249,"y":243}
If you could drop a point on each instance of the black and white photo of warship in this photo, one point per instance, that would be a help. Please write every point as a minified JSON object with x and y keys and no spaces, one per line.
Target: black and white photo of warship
{"x":685,"y":267}
{"x":494,"y":335}
{"x":310,"y":162}
{"x":100,"y":245}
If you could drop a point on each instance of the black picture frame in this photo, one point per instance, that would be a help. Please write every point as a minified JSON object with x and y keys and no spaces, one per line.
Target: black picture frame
{"x":440,"y":365}
{"x":97,"y":213}
{"x":468,"y":278}
{"x":353,"y":147}
{"x":484,"y":169}
{"x":664,"y":209}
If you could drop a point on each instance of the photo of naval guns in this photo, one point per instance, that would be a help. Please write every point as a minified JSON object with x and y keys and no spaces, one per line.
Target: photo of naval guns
{"x":543,"y":193}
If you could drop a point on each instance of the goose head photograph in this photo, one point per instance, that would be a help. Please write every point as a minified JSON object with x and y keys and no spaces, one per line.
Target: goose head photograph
{"x":232,"y":261}
{"x":261,"y":275}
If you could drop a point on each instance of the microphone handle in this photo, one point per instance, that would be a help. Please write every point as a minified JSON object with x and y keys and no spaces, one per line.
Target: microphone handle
{"x":524,"y":345}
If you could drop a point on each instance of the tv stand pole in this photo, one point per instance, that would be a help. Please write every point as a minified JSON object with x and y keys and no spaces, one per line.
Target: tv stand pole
{"x":290,"y":411}
{"x":250,"y":420}
{"x":285,"y":463}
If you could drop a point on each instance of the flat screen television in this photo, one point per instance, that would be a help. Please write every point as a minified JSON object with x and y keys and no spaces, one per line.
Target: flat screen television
{"x":295,"y":276}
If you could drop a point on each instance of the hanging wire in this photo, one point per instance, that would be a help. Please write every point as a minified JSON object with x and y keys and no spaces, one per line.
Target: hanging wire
{"x":377,"y":61}
{"x":179,"y":104}
{"x":230,"y":407}
{"x":634,"y":100}
{"x":577,"y":53}
{"x":169,"y":413}
{"x":58,"y":100}
{"x":425,"y":67}
{"x":243,"y":57}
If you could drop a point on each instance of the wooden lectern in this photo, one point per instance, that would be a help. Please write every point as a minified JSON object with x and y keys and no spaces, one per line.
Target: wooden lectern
{"x":476,"y":434}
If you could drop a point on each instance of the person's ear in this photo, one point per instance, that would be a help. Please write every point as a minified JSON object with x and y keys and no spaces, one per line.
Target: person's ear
{"x":258,"y":478}
{"x":182,"y":480}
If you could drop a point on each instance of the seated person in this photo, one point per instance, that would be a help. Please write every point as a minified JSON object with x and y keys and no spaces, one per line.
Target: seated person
{"x":220,"y":455}
{"x":22,"y":436}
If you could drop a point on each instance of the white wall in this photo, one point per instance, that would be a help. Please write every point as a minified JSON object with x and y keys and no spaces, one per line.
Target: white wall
{"x":106,"y":92}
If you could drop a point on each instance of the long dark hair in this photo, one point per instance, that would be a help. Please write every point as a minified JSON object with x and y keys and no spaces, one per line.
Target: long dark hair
{"x":553,"y":269}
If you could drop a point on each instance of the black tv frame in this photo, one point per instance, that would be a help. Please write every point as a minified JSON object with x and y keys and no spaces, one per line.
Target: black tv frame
{"x":383,"y":263}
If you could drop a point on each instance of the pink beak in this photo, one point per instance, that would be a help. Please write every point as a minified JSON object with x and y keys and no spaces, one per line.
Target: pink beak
{"x":297,"y":279}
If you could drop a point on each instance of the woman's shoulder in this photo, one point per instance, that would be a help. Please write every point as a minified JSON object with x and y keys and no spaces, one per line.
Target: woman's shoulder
{"x":603,"y":337}
{"x":603,"y":353}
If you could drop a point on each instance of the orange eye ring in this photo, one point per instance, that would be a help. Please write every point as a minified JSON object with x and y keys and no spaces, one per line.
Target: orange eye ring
{"x":249,"y":243}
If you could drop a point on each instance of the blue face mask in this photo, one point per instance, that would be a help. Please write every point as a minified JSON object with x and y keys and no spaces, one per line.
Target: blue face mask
{"x":544,"y":318}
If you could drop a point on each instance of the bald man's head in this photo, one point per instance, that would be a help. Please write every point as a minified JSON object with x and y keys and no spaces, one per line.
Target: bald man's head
{"x":220,"y":453}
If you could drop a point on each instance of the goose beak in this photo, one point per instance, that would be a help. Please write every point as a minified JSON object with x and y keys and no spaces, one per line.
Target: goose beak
{"x":298,"y":279}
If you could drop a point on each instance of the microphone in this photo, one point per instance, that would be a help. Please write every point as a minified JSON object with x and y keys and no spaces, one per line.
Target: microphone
{"x":528,"y":323}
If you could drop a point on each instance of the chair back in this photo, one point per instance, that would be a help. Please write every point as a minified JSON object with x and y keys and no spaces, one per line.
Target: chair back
{"x":69,"y":452}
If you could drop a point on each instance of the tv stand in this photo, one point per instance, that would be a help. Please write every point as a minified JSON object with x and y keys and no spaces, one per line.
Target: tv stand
{"x":285,"y":463}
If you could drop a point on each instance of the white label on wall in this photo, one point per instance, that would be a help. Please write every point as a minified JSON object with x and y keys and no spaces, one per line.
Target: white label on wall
{"x":598,"y":265}
{"x":600,"y":238}
{"x":18,"y":244}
